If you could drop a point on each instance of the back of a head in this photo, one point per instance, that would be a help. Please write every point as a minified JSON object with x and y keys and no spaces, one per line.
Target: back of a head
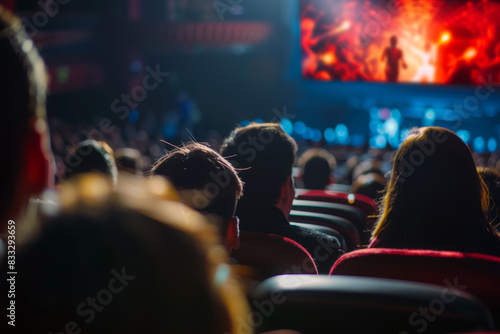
{"x":22,"y":95}
{"x":205,"y":180}
{"x":125,"y":261}
{"x":129,"y":160}
{"x":435,"y":198}
{"x":264,"y":155}
{"x":491,"y":178}
{"x":90,"y":156}
{"x":317,"y":166}
{"x":371,"y":185}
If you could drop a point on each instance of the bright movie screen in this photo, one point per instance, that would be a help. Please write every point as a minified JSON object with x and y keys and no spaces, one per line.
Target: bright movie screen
{"x":407,"y":41}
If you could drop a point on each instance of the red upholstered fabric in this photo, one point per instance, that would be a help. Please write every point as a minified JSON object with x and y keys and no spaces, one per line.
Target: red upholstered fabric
{"x":477,"y":274}
{"x":272,"y":255}
{"x":364,"y":203}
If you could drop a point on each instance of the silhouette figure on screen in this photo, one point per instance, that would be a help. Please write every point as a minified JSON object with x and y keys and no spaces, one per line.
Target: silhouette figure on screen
{"x":393,"y":56}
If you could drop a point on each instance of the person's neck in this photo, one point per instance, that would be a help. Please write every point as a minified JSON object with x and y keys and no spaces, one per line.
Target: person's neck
{"x":283,"y":208}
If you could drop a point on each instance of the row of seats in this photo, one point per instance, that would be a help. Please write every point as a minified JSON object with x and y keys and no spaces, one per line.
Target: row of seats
{"x":389,"y":290}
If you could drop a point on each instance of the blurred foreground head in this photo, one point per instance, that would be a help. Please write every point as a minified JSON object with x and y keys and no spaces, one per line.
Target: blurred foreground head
{"x":23,"y":130}
{"x":126,"y":260}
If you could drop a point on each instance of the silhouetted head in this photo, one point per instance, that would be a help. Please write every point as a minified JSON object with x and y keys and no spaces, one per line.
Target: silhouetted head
{"x":317,"y":166}
{"x":205,"y":180}
{"x":25,"y":167}
{"x":371,"y":185}
{"x":264,"y":155}
{"x":91,"y":156}
{"x":394,"y":41}
{"x":435,"y":198}
{"x":126,"y":260}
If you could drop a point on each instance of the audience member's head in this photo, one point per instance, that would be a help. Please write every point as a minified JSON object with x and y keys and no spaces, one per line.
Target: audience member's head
{"x":23,"y":130}
{"x":129,"y":160}
{"x":371,"y":185}
{"x":491,"y":178}
{"x":317,"y":165}
{"x":207,"y":182}
{"x":435,"y":198}
{"x":126,"y":261}
{"x":367,"y":167}
{"x":91,"y":156}
{"x":264,"y":155}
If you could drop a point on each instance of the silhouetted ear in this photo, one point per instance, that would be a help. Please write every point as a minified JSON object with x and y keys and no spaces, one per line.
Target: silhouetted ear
{"x":36,"y":168}
{"x":233,"y":235}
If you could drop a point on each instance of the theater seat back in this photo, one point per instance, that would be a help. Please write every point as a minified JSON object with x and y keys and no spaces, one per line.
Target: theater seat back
{"x":346,"y":304}
{"x":345,"y":228}
{"x":269,"y":255}
{"x":477,"y":274}
{"x":365,"y":204}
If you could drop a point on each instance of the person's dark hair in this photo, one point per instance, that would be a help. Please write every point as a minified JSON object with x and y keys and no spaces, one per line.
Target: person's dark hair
{"x":371,"y":185}
{"x":264,"y":155}
{"x":126,"y":261}
{"x":435,"y":198}
{"x":91,"y":156}
{"x":205,"y":180}
{"x":23,"y":87}
{"x":129,"y":160}
{"x":491,"y":178}
{"x":317,"y":166}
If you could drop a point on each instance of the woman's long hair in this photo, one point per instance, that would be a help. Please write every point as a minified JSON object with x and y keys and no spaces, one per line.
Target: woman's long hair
{"x":435,"y":198}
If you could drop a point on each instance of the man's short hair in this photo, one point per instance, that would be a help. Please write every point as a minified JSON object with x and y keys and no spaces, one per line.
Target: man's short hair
{"x":23,"y":87}
{"x":205,"y":180}
{"x":264,"y":155}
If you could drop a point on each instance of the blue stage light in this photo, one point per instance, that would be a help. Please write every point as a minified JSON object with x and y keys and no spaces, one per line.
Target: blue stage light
{"x":316,"y":136}
{"x":479,"y":145}
{"x":378,"y":141}
{"x":342,"y":134}
{"x":286,"y":125}
{"x":245,"y":122}
{"x":492,"y":145}
{"x":329,"y":135}
{"x":464,"y":135}
{"x":299,"y":127}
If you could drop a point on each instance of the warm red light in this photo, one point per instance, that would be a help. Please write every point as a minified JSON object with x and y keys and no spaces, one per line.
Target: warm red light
{"x":328,"y":58}
{"x":445,"y":38}
{"x":438,"y":41}
{"x":346,"y":25}
{"x":470,"y":53}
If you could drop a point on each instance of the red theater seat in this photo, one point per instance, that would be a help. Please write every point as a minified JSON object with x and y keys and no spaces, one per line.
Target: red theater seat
{"x":476,"y":274}
{"x":269,"y":255}
{"x":364,"y":203}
